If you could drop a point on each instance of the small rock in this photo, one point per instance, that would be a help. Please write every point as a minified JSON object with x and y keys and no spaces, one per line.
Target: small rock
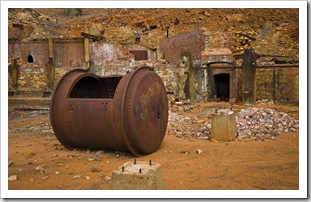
{"x":199,"y":151}
{"x":213,"y":140}
{"x":76,"y":177}
{"x":40,"y":168}
{"x":97,"y":159}
{"x":13,"y":178}
{"x":87,"y":151}
{"x":29,"y":163}
{"x":45,"y":177}
{"x":107,"y":178}
{"x":57,"y":173}
{"x":95,"y":169}
{"x":10,"y":163}
{"x":100,"y":152}
{"x":87,"y":177}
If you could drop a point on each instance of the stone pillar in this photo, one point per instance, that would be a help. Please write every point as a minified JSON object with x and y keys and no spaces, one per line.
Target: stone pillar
{"x":86,"y":49}
{"x":138,"y":176}
{"x":223,"y":126}
{"x":249,"y":77}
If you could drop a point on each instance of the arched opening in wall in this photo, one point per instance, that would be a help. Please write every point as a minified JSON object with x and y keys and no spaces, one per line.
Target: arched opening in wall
{"x":30,"y":59}
{"x":222,"y":86}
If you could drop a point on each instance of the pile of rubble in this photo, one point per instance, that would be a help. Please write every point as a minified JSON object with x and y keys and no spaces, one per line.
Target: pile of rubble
{"x":265,"y":102}
{"x":183,"y":126}
{"x":252,"y":124}
{"x":262,"y":123}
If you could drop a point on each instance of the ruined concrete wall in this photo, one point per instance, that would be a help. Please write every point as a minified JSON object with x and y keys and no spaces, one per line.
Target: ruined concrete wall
{"x":101,"y":52}
{"x":68,"y":53}
{"x":21,"y":50}
{"x":172,"y":48}
{"x":279,"y":84}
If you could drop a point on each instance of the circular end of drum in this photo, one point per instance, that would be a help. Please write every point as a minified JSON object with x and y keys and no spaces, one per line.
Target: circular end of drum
{"x":145,"y":112}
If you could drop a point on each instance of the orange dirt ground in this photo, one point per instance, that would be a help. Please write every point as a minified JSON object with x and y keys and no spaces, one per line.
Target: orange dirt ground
{"x":271,"y":164}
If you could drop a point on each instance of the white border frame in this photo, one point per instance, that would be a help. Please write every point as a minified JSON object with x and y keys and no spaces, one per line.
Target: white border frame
{"x":301,"y":193}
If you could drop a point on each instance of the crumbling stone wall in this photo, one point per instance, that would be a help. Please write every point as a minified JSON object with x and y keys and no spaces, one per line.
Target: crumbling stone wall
{"x":216,"y":40}
{"x":168,"y":78}
{"x":35,"y":79}
{"x":279,"y":84}
{"x":102,"y":52}
{"x":21,"y":50}
{"x":32,"y":78}
{"x":66,"y":53}
{"x":172,"y":48}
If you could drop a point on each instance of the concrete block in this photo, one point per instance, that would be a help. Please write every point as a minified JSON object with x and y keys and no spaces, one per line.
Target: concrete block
{"x":138,"y":176}
{"x":223,"y":126}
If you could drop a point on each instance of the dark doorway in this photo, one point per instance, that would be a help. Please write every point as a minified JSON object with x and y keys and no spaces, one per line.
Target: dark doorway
{"x":222,"y":86}
{"x":30,"y":59}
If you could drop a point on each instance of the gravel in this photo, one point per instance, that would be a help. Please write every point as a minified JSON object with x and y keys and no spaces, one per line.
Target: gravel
{"x":252,"y":123}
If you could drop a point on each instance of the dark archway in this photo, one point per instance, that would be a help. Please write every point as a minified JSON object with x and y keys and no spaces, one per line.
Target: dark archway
{"x":222,"y":86}
{"x":30,"y":59}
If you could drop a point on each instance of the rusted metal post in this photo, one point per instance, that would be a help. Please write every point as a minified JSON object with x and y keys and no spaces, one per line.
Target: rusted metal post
{"x":249,"y":76}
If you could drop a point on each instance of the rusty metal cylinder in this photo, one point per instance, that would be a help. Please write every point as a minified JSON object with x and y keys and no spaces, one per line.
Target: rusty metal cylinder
{"x":123,"y":113}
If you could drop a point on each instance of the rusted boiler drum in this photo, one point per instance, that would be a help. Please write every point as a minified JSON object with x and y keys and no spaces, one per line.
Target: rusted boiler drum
{"x":123,"y":113}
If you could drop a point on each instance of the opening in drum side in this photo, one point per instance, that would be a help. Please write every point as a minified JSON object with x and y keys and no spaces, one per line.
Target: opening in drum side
{"x":90,"y":87}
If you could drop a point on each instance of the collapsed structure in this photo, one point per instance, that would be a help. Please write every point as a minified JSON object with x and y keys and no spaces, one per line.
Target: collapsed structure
{"x":195,"y":65}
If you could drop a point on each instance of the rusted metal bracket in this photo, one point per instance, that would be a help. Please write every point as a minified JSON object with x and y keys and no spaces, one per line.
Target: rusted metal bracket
{"x":90,"y":36}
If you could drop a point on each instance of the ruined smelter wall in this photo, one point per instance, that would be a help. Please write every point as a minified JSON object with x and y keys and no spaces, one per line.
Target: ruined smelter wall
{"x":279,"y":84}
{"x":22,"y":50}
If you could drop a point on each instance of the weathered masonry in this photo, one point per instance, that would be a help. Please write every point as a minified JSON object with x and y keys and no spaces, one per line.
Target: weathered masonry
{"x":195,"y":66}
